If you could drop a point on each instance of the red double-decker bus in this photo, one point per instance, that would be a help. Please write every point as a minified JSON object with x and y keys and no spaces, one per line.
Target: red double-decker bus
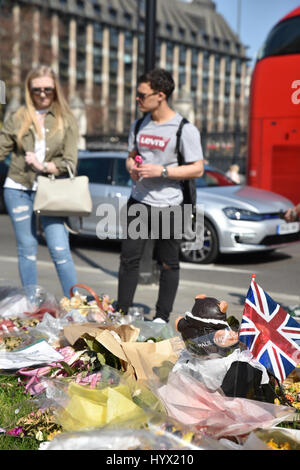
{"x":274,"y":119}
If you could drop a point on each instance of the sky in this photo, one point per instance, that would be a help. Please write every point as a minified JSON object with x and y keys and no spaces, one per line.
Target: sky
{"x":256,"y":19}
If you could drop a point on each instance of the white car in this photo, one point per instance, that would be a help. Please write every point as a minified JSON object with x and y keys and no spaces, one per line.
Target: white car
{"x":237,"y":218}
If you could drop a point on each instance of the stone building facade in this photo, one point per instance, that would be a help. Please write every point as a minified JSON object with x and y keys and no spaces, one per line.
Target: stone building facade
{"x":96,"y":47}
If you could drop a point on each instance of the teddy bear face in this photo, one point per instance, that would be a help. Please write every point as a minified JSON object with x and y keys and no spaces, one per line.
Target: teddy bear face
{"x":208,"y":315}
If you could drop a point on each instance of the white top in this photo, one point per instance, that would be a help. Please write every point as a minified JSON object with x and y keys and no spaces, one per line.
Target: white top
{"x":40,"y":151}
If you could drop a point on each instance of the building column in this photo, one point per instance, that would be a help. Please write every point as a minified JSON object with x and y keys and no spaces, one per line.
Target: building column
{"x":163,"y":55}
{"x":188,"y":66}
{"x":89,"y":70}
{"x":120,"y":84}
{"x":134,"y":77}
{"x":55,"y":43}
{"x":199,"y":110}
{"x":105,"y":80}
{"x":210,"y":104}
{"x":72,"y":58}
{"x":16,"y":55}
{"x":243,"y":104}
{"x":221,"y":96}
{"x":36,"y":37}
{"x":232,"y":96}
{"x":176,"y":71}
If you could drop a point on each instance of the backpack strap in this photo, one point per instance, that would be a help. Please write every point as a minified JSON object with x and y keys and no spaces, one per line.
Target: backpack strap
{"x":178,"y":136}
{"x":137,"y":128}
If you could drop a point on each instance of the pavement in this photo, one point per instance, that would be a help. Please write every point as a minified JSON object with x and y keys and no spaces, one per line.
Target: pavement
{"x":104,"y":281}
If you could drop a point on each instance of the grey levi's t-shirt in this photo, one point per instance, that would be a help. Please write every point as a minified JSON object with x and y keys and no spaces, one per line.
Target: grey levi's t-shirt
{"x":156,"y":143}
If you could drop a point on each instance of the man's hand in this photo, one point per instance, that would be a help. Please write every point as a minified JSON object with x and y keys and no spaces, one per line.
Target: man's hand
{"x":149,"y":170}
{"x":133,"y":173}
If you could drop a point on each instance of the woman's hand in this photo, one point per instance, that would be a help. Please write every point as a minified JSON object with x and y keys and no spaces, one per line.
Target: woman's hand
{"x":31,"y":159}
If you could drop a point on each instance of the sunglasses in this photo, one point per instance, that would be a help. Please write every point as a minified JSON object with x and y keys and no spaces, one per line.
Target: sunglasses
{"x":143,"y":96}
{"x":38,"y":91}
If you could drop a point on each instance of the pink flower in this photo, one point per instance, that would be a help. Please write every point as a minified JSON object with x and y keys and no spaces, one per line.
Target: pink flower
{"x":15,"y":431}
{"x":138,"y":159}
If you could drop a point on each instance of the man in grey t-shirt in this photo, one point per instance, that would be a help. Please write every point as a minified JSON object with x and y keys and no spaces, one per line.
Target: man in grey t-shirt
{"x":156,"y":187}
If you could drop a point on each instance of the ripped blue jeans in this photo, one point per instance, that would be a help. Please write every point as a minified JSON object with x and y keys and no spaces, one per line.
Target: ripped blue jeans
{"x":19,"y":205}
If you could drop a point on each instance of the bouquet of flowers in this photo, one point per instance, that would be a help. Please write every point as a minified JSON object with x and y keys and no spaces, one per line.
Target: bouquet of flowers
{"x":80,"y":308}
{"x":40,"y":424}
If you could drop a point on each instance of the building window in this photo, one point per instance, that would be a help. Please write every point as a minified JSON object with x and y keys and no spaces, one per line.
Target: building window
{"x":181,"y":32}
{"x":80,"y":51}
{"x":63,"y":49}
{"x":113,"y":64}
{"x":80,"y":4}
{"x":112,"y":13}
{"x":217,"y":43}
{"x":169,"y":56}
{"x":97,"y":53}
{"x":127,"y":18}
{"x":182,"y":58}
{"x":96,"y":6}
{"x":128,"y":63}
{"x":205,"y":38}
{"x":228,"y":66}
{"x":205,"y":64}
{"x":169,"y":28}
{"x":98,"y":33}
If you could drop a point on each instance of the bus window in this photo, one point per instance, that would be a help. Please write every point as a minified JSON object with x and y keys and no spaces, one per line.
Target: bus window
{"x":284,"y":38}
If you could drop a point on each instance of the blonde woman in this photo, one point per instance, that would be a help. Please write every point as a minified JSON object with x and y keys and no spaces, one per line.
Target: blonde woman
{"x":41,"y":137}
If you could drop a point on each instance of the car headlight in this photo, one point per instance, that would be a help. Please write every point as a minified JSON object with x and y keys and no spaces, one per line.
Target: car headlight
{"x":234,"y":213}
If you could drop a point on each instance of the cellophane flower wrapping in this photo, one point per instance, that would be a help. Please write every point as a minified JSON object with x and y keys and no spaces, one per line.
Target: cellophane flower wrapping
{"x":116,"y":402}
{"x":30,"y":301}
{"x":31,"y":311}
{"x":81,"y":309}
{"x":117,"y":439}
{"x":189,"y":401}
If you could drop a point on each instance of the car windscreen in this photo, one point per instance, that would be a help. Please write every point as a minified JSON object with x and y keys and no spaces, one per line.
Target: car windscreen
{"x":213,"y":178}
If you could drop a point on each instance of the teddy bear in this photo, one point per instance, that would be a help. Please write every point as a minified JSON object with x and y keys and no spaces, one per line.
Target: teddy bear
{"x":205,"y":329}
{"x":215,"y":356}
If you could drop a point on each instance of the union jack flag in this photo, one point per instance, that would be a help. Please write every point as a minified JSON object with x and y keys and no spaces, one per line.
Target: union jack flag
{"x":270,"y":333}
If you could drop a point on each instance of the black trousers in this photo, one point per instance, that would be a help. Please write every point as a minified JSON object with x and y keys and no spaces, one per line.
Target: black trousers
{"x":167,"y":251}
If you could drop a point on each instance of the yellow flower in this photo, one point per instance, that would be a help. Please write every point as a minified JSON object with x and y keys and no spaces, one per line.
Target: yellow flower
{"x":51,"y":435}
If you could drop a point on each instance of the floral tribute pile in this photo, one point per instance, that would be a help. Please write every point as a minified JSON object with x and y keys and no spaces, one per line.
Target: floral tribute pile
{"x":111,"y":376}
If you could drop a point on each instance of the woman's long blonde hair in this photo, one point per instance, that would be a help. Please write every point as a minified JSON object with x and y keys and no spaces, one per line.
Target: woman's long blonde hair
{"x":27,"y":112}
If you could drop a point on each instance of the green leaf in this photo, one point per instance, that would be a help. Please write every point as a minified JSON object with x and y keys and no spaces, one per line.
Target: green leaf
{"x":67,"y":368}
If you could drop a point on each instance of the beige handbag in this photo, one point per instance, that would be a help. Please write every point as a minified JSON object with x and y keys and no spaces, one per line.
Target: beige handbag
{"x":63,"y":197}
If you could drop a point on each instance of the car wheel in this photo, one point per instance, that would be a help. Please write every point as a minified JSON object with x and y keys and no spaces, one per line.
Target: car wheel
{"x":210,"y":250}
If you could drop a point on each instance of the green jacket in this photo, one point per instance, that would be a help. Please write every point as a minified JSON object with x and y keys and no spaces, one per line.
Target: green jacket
{"x":60,"y":147}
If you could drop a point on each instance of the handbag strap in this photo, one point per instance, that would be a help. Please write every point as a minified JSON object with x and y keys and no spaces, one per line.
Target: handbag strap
{"x":71,"y":174}
{"x":91,"y":291}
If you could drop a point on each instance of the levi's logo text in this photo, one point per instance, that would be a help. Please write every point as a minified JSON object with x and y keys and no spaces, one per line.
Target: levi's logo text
{"x":153,"y":141}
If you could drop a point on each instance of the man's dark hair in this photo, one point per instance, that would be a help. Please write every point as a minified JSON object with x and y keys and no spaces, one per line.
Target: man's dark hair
{"x":159,"y":80}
